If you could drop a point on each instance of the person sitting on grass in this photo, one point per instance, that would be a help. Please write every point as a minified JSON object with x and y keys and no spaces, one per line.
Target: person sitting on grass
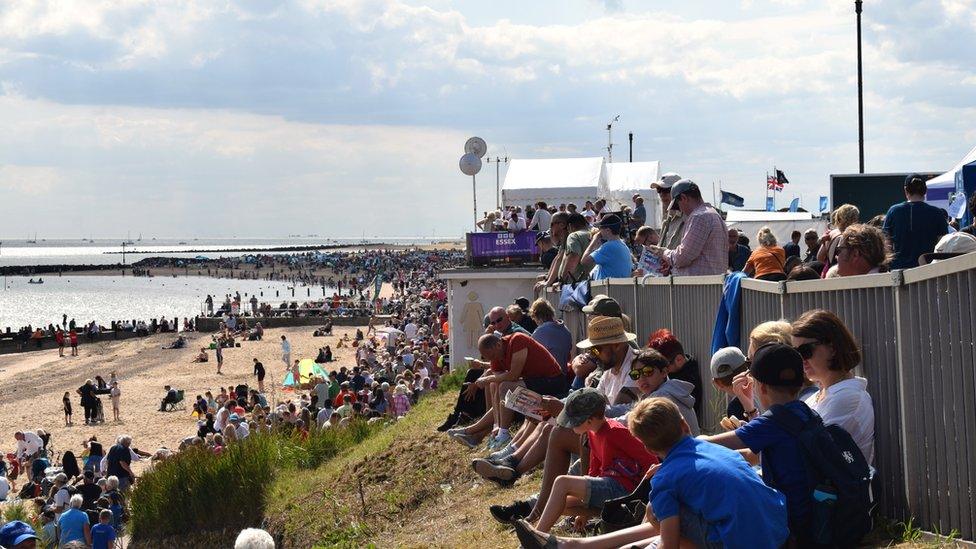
{"x":618,"y":461}
{"x":701,"y":494}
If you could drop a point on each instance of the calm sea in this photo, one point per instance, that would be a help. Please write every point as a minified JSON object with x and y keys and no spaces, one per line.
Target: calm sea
{"x":107,"y":298}
{"x":102,"y":251}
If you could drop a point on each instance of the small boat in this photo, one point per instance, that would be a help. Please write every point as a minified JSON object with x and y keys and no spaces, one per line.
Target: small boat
{"x":38,"y":281}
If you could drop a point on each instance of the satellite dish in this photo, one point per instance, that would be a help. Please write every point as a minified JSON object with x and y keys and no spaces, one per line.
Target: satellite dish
{"x":476,"y":146}
{"x":470,"y":164}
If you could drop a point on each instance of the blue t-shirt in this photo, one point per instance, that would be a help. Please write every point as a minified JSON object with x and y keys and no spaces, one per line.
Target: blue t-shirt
{"x":717,"y":484}
{"x":914,"y":228}
{"x":782,"y":461}
{"x":556,"y":338}
{"x":102,"y":536}
{"x":72,"y":523}
{"x":613,"y":260}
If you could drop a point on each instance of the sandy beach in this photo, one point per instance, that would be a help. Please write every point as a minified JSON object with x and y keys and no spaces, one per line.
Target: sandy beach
{"x":32,"y":384}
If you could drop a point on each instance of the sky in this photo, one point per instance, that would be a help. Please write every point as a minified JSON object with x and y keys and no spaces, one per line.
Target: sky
{"x":341,"y":117}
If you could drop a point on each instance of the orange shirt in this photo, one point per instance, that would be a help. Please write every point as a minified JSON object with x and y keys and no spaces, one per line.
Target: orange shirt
{"x":766,"y":261}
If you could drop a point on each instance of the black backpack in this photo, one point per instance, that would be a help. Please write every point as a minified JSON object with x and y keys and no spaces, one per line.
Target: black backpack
{"x":841,"y":510}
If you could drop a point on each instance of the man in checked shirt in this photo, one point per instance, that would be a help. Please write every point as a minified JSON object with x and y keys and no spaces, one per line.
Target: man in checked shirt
{"x":704,"y":246}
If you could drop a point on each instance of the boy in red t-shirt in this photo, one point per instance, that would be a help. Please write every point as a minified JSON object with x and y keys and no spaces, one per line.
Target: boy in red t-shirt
{"x":618,"y":461}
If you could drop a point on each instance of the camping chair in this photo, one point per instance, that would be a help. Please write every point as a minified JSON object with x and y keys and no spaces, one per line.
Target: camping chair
{"x":180,"y":403}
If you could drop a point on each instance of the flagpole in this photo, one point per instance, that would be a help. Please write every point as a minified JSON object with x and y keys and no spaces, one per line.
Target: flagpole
{"x":765,"y":206}
{"x":775,"y":175}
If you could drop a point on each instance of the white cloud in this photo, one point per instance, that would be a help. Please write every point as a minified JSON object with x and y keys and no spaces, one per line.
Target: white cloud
{"x":30,"y":180}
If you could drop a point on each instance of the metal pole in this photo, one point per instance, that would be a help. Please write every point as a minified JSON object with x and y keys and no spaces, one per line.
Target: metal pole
{"x":610,"y":143}
{"x":498,"y":204}
{"x":630,"y":136}
{"x":860,"y":92}
{"x":474,"y":193}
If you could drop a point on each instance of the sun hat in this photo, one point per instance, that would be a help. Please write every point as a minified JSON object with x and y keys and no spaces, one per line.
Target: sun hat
{"x":725,"y":361}
{"x":604,"y":330}
{"x":16,"y":532}
{"x":680,"y":188}
{"x":581,"y":406}
{"x":667,"y":181}
{"x":603,"y":305}
{"x":778,"y":365}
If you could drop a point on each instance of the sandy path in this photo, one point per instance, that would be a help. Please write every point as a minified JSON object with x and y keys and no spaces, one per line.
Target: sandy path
{"x":32,"y":384}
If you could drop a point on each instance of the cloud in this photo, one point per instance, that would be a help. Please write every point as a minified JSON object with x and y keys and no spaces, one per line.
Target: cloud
{"x":30,"y":180}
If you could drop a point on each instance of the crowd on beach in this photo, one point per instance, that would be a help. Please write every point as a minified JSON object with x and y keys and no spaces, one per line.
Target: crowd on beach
{"x":613,"y":420}
{"x":398,"y":362}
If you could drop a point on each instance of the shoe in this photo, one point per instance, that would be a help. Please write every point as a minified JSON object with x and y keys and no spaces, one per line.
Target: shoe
{"x":498,"y":456}
{"x":465,"y":439}
{"x":530,"y":539}
{"x":451,"y":421}
{"x":507,"y":514}
{"x":455,"y":431}
{"x":502,"y":474}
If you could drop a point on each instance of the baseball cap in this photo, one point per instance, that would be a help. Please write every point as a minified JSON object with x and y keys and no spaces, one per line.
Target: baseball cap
{"x":542,"y":235}
{"x":678,"y":189}
{"x":666,"y":181}
{"x":16,"y":531}
{"x":523,"y":303}
{"x":234,"y":417}
{"x":612,"y":220}
{"x":778,"y":365}
{"x":951,"y":245}
{"x":726,"y":360}
{"x":581,"y":406}
{"x":603,"y":305}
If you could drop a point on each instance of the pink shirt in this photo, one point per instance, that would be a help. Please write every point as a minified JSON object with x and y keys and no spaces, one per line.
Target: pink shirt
{"x":704,"y":246}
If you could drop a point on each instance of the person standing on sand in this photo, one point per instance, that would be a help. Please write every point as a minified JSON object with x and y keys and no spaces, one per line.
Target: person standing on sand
{"x":73,"y":336}
{"x":59,"y":338}
{"x":67,"y":408}
{"x":296,"y":374}
{"x":259,"y":372}
{"x":220,"y":356}
{"x":285,"y":351}
{"x":116,"y":395}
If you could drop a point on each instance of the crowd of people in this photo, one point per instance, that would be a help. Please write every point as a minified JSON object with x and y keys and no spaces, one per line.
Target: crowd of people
{"x":596,"y":243}
{"x":67,"y":333}
{"x":616,"y":416}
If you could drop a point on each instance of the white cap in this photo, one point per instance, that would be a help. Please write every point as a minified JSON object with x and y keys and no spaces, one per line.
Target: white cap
{"x":666,"y":181}
{"x":956,"y":243}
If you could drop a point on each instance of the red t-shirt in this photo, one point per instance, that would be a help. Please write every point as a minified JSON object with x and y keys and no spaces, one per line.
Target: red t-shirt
{"x":617,"y":454}
{"x":538,"y":363}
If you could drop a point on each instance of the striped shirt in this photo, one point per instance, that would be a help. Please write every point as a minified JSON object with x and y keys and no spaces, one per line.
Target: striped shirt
{"x":704,"y":247}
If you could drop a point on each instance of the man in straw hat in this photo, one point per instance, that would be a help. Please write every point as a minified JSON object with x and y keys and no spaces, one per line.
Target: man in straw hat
{"x":609,"y":343}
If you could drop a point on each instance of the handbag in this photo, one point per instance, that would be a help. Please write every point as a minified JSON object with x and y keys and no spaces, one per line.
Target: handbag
{"x":625,"y":511}
{"x":574,"y":297}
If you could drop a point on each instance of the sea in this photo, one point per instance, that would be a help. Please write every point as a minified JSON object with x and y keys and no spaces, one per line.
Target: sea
{"x":107,"y":298}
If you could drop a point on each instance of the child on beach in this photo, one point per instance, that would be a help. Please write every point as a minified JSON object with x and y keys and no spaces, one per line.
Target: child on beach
{"x":73,"y":336}
{"x":103,"y":534}
{"x":67,"y":409}
{"x":59,"y":338}
{"x":116,"y":394}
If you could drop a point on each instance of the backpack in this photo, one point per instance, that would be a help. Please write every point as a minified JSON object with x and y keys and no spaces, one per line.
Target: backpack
{"x":841,"y":511}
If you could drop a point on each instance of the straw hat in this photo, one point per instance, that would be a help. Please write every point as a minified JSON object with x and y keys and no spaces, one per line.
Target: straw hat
{"x":604,"y":330}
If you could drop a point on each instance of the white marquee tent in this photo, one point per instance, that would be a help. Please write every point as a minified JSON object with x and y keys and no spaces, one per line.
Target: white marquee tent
{"x":940,"y":187}
{"x":781,"y":223}
{"x":553,"y":181}
{"x":625,"y":179}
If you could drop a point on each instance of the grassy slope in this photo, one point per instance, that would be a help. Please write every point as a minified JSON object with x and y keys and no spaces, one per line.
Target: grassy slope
{"x":417,"y":491}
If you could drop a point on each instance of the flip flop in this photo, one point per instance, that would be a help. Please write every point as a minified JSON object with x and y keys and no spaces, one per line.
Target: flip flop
{"x":530,"y":540}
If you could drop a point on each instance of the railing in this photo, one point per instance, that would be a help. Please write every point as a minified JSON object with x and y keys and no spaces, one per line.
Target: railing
{"x":917,"y":330}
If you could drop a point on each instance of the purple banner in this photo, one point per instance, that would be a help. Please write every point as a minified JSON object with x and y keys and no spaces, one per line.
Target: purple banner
{"x":500,"y":245}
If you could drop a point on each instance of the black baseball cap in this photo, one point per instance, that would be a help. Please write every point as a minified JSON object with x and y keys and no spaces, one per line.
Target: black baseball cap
{"x":778,"y":365}
{"x":612,"y":220}
{"x":523,"y":303}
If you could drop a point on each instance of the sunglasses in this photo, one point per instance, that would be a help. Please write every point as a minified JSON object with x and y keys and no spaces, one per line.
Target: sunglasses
{"x":490,"y":321}
{"x":643,"y":371}
{"x":806,"y":350}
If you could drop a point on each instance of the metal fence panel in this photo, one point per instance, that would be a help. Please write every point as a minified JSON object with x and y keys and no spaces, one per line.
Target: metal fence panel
{"x":653,"y":308}
{"x":623,"y":290}
{"x":758,"y":306}
{"x":694,"y":307}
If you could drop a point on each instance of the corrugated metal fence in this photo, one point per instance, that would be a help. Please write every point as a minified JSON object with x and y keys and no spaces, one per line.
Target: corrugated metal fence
{"x":916,"y":330}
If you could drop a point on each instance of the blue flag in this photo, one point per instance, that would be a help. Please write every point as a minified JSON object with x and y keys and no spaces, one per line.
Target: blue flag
{"x":823,"y":203}
{"x":732,"y":199}
{"x":795,"y":205}
{"x":770,"y":204}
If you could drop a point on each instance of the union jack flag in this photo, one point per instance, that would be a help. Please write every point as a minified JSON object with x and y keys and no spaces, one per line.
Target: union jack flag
{"x":773,"y":183}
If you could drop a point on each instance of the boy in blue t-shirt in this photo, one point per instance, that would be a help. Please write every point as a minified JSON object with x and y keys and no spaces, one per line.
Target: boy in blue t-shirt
{"x":607,"y":253}
{"x":103,"y":534}
{"x":777,"y":371}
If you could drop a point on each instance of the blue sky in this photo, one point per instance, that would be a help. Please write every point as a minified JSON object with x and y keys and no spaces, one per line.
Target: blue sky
{"x":257,"y":118}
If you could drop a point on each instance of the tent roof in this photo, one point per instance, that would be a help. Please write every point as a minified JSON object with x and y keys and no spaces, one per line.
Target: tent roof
{"x":630,"y":177}
{"x":948,"y":179}
{"x":749,"y":215}
{"x":553,"y":173}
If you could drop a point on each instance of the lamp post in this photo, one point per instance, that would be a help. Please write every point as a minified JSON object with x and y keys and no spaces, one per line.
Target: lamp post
{"x":860,"y":92}
{"x":123,"y":258}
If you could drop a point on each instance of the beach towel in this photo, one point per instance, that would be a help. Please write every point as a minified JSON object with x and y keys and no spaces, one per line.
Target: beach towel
{"x":307,"y":369}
